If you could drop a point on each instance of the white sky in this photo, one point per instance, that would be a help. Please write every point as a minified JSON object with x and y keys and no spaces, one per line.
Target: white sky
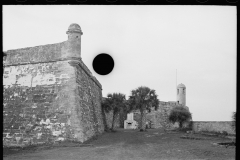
{"x":148,"y":44}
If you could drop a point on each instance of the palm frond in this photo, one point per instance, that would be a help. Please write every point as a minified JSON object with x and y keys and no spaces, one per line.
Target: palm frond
{"x":143,"y":97}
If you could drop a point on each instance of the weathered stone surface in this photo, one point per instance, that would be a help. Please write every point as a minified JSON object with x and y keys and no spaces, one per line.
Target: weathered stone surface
{"x":89,"y":96}
{"x":50,"y":95}
{"x":37,"y":102}
{"x":50,"y":101}
{"x":159,"y":118}
{"x":50,"y":52}
{"x":213,"y":126}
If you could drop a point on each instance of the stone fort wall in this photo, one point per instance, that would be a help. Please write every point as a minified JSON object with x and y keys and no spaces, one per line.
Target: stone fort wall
{"x":49,"y":96}
{"x":213,"y":126}
{"x":159,"y":118}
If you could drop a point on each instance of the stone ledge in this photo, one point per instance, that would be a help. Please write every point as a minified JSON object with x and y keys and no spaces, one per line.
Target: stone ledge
{"x":48,"y":61}
{"x":43,"y":53}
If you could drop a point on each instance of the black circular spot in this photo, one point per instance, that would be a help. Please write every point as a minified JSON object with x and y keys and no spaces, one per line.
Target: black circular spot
{"x":103,"y":64}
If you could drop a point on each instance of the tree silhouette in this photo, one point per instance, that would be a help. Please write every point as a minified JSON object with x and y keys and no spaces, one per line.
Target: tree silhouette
{"x":180,"y":115}
{"x":114,"y":102}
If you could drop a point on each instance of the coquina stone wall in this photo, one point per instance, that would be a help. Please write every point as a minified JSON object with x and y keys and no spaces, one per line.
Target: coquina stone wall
{"x":50,"y":95}
{"x":213,"y":126}
{"x":159,"y":118}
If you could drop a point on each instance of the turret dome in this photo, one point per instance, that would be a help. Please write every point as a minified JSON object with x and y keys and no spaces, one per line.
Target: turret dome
{"x":74,"y":27}
{"x":181,"y":86}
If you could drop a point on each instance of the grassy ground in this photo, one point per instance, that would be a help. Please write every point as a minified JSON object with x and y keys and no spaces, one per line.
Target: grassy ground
{"x":133,"y":145}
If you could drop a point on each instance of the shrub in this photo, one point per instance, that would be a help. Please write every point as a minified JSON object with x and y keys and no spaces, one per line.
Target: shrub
{"x":180,"y":115}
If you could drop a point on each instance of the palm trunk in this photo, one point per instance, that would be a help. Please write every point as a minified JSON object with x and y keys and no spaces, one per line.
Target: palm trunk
{"x":122,"y":117}
{"x":113,"y":120}
{"x":143,"y":119}
{"x":104,"y":120}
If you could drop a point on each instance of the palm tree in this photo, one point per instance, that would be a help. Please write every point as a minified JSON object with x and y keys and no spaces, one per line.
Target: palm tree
{"x":114,"y":102}
{"x":144,"y":99}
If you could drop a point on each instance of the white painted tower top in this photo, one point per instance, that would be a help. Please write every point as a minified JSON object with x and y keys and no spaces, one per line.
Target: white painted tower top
{"x":181,"y":86}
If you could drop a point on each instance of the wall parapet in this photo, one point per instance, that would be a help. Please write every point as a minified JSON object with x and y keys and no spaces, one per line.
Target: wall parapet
{"x":42,"y":53}
{"x":169,"y":103}
{"x":22,"y":57}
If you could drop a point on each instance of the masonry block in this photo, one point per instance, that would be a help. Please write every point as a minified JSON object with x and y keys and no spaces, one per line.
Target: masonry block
{"x":50,"y":95}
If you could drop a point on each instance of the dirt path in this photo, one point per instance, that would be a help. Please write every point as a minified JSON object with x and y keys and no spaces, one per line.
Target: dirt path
{"x":133,"y":145}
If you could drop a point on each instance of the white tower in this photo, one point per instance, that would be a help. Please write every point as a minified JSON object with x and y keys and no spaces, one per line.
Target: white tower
{"x":181,"y":94}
